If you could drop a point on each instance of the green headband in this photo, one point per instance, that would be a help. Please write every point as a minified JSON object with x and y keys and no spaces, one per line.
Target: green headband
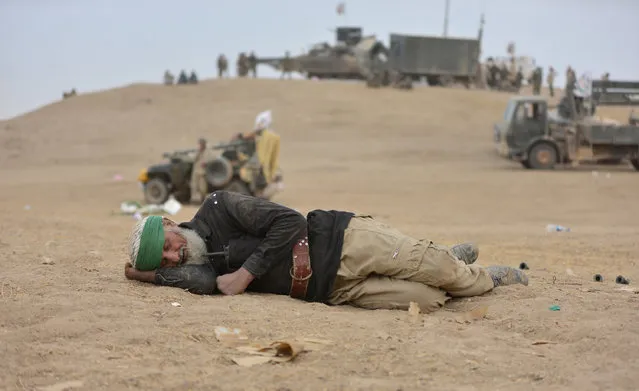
{"x":151,"y":245}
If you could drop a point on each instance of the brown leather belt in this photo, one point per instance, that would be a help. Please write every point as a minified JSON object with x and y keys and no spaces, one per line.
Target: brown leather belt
{"x":301,"y":271}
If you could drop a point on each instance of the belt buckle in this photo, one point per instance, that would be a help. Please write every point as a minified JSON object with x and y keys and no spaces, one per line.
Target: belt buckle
{"x":292,"y":273}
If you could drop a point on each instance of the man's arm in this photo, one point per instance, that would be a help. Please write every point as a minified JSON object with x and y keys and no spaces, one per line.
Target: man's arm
{"x":197,"y":279}
{"x":281,"y":228}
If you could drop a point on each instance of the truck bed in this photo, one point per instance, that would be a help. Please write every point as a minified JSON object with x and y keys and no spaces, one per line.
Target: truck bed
{"x":611,"y":134}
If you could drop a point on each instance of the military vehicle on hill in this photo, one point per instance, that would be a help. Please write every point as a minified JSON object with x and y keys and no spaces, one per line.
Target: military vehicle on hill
{"x":225,"y":172}
{"x":541,"y":138}
{"x":441,"y":61}
{"x":325,"y":61}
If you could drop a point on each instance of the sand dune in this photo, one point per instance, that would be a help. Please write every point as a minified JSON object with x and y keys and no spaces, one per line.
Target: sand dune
{"x":422,"y":160}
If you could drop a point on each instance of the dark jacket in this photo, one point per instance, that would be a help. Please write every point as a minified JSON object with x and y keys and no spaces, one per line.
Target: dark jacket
{"x":259,"y":235}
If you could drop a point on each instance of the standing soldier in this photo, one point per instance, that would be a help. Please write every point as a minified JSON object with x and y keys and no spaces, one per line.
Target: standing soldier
{"x":504,"y":77}
{"x":537,"y":80}
{"x":287,"y":65}
{"x":183,"y":79}
{"x":199,"y":186}
{"x":193,"y":78}
{"x":519,"y":78}
{"x":570,"y":77}
{"x":242,"y":65}
{"x":168,"y":78}
{"x":550,"y":79}
{"x":222,"y":66}
{"x":252,"y":64}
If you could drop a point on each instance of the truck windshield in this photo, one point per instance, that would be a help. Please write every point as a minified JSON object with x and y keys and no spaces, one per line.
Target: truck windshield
{"x":510,"y":110}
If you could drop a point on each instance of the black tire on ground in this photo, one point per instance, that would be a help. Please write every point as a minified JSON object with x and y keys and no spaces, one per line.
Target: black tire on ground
{"x":156,"y":191}
{"x":542,"y":156}
{"x":526,"y":164}
{"x":238,"y":186}
{"x":635,"y":163}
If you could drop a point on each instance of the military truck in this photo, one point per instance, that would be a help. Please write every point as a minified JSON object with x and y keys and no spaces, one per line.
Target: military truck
{"x":226,"y":172}
{"x":440,"y":60}
{"x":540,"y":137}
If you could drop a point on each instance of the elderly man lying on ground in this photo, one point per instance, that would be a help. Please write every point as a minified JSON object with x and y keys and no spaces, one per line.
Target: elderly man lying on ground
{"x":237,"y":243}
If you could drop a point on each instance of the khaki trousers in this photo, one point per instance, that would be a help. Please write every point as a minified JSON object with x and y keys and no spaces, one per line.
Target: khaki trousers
{"x":199,"y":186}
{"x":382,"y":268}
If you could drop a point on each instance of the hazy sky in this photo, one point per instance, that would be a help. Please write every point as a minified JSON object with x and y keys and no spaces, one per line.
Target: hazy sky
{"x":49,"y":46}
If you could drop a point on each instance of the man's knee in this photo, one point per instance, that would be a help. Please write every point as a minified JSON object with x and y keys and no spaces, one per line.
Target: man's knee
{"x":197,"y":279}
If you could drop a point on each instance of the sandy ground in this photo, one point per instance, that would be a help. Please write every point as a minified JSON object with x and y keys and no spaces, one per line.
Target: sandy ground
{"x":421,"y":160}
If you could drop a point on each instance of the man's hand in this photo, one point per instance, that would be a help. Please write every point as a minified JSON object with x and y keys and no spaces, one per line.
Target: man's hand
{"x":133,"y":274}
{"x":234,"y":283}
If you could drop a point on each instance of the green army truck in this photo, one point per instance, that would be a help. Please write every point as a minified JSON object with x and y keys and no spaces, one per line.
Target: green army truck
{"x":440,"y":61}
{"x":541,"y":137}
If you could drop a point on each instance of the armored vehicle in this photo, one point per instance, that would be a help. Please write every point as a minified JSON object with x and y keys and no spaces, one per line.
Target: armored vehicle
{"x":326,"y":61}
{"x":541,"y":138}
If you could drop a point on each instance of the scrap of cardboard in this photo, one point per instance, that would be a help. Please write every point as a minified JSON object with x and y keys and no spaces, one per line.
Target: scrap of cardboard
{"x":413,"y":309}
{"x":278,"y":351}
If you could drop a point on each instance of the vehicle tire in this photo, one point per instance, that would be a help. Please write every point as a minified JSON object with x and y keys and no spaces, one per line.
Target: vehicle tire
{"x":635,"y":163}
{"x":526,"y":164}
{"x":237,"y":186}
{"x":219,"y":172}
{"x":183,"y":196}
{"x":542,"y":156}
{"x":156,"y":191}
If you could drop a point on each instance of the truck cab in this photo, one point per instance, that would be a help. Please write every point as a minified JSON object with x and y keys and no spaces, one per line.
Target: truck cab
{"x":525,"y":122}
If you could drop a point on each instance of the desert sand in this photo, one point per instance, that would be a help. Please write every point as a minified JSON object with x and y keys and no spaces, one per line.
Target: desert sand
{"x":421,"y":160}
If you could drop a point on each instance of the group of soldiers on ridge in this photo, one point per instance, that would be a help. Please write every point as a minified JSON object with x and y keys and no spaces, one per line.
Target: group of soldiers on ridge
{"x":501,"y":76}
{"x":245,"y":65}
{"x":182,"y":79}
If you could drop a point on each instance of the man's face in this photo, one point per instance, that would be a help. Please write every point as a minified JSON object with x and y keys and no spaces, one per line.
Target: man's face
{"x":182,"y":246}
{"x":174,"y":252}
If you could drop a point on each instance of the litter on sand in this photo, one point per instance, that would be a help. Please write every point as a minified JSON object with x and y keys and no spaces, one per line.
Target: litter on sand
{"x":135,"y":209}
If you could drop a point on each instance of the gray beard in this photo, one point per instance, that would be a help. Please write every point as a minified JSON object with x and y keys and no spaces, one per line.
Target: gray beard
{"x":196,"y":248}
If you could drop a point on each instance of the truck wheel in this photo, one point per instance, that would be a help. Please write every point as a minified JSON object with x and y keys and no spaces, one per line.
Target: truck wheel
{"x":542,"y":156}
{"x":525,"y":163}
{"x":156,"y":191}
{"x":237,"y":186}
{"x":635,"y":163}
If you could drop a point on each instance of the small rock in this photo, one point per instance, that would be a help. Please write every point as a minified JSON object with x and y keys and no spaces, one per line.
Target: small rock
{"x":47,"y":261}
